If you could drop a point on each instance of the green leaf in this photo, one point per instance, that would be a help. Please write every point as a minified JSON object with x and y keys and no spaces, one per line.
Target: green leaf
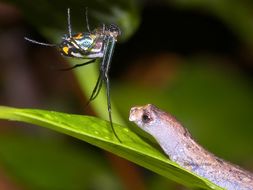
{"x":98,"y":132}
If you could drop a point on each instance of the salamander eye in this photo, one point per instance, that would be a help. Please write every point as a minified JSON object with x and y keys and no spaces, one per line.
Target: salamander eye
{"x":146,"y":118}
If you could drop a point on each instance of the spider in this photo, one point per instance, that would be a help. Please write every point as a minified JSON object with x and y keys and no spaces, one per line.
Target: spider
{"x":91,"y":45}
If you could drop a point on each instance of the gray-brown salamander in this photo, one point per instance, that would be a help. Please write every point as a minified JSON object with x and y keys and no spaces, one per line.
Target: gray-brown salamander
{"x":181,"y":148}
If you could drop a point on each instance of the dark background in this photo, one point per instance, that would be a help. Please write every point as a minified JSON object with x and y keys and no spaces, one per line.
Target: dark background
{"x":192,"y":59}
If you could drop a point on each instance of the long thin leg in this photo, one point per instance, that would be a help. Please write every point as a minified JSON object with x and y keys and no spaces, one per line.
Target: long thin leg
{"x":78,"y":65}
{"x":107,"y":82}
{"x":105,"y":66}
{"x":69,"y":24}
{"x":96,"y":89}
{"x":86,"y":19}
{"x":98,"y":85}
{"x":40,"y":43}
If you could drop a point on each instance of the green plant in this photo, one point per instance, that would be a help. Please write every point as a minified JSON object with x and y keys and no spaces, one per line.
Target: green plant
{"x":97,"y":132}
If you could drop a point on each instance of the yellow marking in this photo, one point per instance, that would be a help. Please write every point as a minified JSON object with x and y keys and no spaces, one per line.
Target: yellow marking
{"x":78,"y":36}
{"x":92,"y":36}
{"x":65,"y":50}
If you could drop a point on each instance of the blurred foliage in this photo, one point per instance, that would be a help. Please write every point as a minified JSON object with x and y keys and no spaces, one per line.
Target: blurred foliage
{"x":235,"y":14}
{"x":208,"y":87}
{"x":56,"y":163}
{"x":51,"y":16}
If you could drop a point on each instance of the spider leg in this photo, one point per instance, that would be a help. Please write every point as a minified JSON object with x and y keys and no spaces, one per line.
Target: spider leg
{"x":86,"y":19}
{"x":105,"y":66}
{"x":107,"y":83}
{"x":78,"y":65}
{"x":69,"y":24}
{"x":96,"y":89}
{"x":40,"y":43}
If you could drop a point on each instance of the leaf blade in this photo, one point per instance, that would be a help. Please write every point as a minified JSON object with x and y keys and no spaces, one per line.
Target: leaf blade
{"x":98,"y":132}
